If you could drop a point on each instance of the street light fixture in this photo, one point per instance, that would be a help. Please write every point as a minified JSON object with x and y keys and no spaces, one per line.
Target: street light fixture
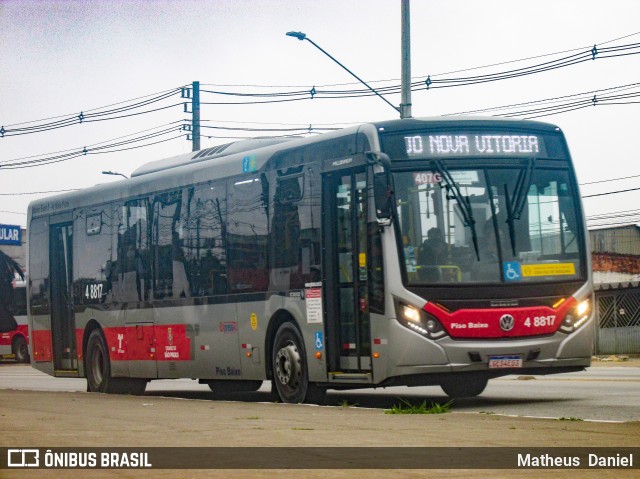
{"x":115,"y":173}
{"x":302,"y":36}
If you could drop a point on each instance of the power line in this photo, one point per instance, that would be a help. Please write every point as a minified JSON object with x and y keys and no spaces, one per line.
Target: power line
{"x":607,"y":181}
{"x":308,"y":129}
{"x":38,"y":192}
{"x":423,"y":77}
{"x":13,"y":212}
{"x":546,"y":100}
{"x":99,"y":145}
{"x":614,"y":214}
{"x":610,"y":193}
{"x":108,"y":113}
{"x":430,"y":83}
{"x":95,"y":150}
{"x":172,"y":90}
{"x":90,"y":116}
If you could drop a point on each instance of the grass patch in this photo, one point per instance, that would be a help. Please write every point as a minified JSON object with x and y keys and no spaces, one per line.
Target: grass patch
{"x":405,"y":407}
{"x":570,"y":419}
{"x":345,"y":403}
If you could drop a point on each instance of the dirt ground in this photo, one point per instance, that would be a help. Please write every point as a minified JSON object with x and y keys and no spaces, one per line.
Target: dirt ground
{"x":60,"y":419}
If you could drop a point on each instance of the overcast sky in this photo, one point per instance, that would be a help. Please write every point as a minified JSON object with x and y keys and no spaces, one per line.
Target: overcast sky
{"x":60,"y":58}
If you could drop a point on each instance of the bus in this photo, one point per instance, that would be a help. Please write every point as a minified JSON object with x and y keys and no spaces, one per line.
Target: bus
{"x":411,"y":252}
{"x":14,"y":344}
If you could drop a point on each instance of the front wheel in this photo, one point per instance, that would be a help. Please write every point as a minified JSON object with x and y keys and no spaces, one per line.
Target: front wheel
{"x":290,"y":373}
{"x":464,"y":386}
{"x":20,"y":349}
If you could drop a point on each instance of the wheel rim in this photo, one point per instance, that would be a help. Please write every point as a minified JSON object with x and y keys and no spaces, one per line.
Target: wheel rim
{"x":288,"y":368}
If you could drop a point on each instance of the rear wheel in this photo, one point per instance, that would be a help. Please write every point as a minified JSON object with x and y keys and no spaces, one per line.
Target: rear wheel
{"x":464,"y":386}
{"x":290,"y":373}
{"x":20,"y":349}
{"x":98,"y":366}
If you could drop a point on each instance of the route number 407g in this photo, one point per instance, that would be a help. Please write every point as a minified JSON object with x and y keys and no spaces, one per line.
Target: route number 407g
{"x":540,"y":321}
{"x":93,"y":291}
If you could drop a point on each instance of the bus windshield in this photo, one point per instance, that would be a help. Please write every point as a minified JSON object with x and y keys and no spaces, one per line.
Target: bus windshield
{"x":488,"y":224}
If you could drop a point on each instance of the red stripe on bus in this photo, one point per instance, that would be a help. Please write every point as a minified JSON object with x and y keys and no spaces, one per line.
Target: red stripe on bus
{"x":148,"y":342}
{"x":41,"y":345}
{"x":137,"y":342}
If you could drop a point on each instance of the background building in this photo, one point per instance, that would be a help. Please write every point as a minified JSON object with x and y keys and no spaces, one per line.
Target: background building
{"x":616,"y":273}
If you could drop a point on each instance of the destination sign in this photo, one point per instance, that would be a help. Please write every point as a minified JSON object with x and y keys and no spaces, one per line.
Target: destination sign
{"x":443,"y":145}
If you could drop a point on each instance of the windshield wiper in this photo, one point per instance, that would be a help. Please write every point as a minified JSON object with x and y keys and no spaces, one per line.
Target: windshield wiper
{"x":516,"y":205}
{"x":463,"y":202}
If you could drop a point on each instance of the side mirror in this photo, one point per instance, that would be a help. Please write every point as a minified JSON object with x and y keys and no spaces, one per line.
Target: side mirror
{"x":382,"y":186}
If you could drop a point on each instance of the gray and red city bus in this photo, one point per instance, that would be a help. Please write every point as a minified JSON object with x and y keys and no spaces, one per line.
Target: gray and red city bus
{"x":406,"y":252}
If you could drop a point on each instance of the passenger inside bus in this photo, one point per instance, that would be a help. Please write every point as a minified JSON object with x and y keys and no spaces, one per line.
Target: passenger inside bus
{"x":432,"y":253}
{"x":434,"y":249}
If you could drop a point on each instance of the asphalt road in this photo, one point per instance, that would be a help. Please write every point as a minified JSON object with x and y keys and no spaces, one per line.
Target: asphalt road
{"x":606,"y":392}
{"x":38,"y":411}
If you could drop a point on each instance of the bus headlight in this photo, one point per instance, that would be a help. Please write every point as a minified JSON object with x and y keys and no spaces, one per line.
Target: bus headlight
{"x":410,"y":313}
{"x":576,"y":317}
{"x":419,"y":321}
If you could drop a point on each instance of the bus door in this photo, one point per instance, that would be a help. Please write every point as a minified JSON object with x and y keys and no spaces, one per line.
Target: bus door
{"x":63,"y":328}
{"x":346,"y":264}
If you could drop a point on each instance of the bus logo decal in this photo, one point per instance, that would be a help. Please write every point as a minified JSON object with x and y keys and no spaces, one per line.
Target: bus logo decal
{"x":507,"y":322}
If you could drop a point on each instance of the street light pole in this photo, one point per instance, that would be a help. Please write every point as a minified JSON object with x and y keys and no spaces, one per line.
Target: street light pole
{"x":301,"y":36}
{"x":115,"y":173}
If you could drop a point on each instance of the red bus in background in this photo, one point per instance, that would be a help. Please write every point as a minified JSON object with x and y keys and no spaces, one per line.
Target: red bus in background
{"x":15,"y":344}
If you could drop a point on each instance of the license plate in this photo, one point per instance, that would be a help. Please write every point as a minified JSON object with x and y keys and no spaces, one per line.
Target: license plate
{"x":500,"y":362}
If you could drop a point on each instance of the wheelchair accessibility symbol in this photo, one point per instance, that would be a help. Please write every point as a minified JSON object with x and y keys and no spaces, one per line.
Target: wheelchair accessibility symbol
{"x":319,"y":340}
{"x":512,"y":271}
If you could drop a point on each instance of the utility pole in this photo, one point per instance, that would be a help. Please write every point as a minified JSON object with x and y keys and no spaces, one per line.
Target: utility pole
{"x":195,"y":116}
{"x":405,"y":102}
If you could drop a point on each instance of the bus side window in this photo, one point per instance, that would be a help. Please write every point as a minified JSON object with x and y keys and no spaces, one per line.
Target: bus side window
{"x":247,"y":235}
{"x":205,"y":239}
{"x":170,"y":267}
{"x":285,"y":229}
{"x":93,"y":229}
{"x":132,"y":278}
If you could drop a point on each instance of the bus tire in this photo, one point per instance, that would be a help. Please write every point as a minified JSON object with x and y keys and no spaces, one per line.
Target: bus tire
{"x":98,"y":364}
{"x":98,"y":367}
{"x":20,"y":349}
{"x":464,"y":386}
{"x":290,"y":373}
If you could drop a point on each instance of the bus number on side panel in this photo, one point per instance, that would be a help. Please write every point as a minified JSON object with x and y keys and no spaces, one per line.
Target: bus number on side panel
{"x":93,"y":291}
